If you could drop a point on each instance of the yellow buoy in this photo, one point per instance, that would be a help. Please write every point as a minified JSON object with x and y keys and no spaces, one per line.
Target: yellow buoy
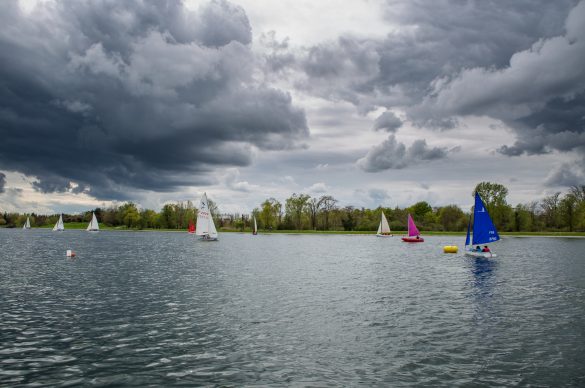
{"x":450,"y":249}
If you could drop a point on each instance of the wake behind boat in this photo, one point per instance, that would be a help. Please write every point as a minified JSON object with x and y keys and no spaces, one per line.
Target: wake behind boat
{"x":484,"y":231}
{"x":383,"y":228}
{"x":205,"y":226}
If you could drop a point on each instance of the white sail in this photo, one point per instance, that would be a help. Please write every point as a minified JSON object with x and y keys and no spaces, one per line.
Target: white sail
{"x":93,"y":225}
{"x":205,"y":226}
{"x":26,"y":224}
{"x":255,"y":231}
{"x":383,"y":228}
{"x":59,"y":225}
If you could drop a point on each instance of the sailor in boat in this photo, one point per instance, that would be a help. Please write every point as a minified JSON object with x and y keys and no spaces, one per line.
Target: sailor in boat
{"x":477,"y":249}
{"x":485,"y":249}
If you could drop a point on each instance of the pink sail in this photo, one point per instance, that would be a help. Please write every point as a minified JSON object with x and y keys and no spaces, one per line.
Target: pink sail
{"x":412,"y":229}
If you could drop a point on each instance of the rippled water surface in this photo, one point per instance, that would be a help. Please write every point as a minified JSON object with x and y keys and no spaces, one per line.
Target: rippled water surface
{"x":163,"y":309}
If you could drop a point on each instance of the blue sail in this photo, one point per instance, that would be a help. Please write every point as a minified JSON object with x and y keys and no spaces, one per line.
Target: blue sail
{"x":484,"y":230}
{"x":468,"y":227}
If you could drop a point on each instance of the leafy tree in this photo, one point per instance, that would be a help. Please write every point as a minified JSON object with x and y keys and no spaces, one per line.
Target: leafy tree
{"x":130,"y":215}
{"x":420,"y":209}
{"x":568,"y":208}
{"x":452,"y":218}
{"x":270,"y":212}
{"x":295,"y":206}
{"x":313,"y":208}
{"x":348,"y":221}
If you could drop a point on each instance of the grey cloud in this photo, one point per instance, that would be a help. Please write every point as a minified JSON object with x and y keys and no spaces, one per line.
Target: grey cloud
{"x":142,"y":95}
{"x":222,"y":22}
{"x":379,"y":196}
{"x":387,"y":122}
{"x":436,"y":39}
{"x":2,"y":182}
{"x":566,"y":175}
{"x":391,"y":154}
{"x":519,"y":62}
{"x":540,"y":93}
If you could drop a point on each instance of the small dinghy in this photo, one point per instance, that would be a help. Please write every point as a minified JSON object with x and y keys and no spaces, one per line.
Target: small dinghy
{"x":484,"y":231}
{"x":93,"y":224}
{"x":383,"y":228}
{"x":413,"y":233}
{"x":205,"y":226}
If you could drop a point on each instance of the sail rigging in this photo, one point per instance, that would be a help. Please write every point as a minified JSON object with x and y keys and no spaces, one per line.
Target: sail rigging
{"x":93,"y":224}
{"x":383,"y":228}
{"x":205,"y":226}
{"x":59,"y":224}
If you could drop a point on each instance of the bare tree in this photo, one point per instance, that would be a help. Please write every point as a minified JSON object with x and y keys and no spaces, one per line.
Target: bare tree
{"x":328,"y":204}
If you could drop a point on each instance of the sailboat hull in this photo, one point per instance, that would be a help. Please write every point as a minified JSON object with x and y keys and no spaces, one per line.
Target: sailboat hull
{"x":484,"y":255}
{"x":207,"y":237}
{"x":413,"y":239}
{"x":384,"y":235}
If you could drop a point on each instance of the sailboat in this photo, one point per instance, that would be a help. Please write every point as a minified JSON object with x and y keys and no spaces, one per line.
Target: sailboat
{"x":255,"y":230}
{"x":384,"y":228}
{"x":59,"y":225}
{"x":205,"y":226}
{"x":191,"y":227}
{"x":484,"y":231}
{"x":413,"y":233}
{"x":93,"y":225}
{"x":26,"y":224}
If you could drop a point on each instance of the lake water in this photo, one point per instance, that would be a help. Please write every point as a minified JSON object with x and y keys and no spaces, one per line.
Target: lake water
{"x":164,"y":309}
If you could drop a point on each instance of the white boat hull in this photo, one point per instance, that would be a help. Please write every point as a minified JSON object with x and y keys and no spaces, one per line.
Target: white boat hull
{"x":207,"y":237}
{"x":484,"y":255}
{"x":384,"y":235}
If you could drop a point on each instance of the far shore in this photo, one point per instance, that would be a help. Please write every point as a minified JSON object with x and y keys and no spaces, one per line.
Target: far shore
{"x":79,"y":226}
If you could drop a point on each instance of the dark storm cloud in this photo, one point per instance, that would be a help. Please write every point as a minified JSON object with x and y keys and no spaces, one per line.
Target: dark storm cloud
{"x":541,"y":93}
{"x":391,"y":154}
{"x":520,"y":62}
{"x":2,"y":182}
{"x":435,"y":39}
{"x":107,"y":96}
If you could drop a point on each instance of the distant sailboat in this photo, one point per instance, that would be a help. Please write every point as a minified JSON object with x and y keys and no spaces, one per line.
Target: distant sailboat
{"x":191,"y":227}
{"x":413,"y":233}
{"x":26,"y":224}
{"x":205,"y":226}
{"x":384,"y":228}
{"x":484,"y":231}
{"x":93,"y":225}
{"x":59,"y":225}
{"x":255,"y":230}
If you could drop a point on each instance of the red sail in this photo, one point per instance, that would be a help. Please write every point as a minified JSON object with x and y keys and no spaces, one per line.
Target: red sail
{"x":191,"y":227}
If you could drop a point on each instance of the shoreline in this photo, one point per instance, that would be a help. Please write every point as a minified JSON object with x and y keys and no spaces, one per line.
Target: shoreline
{"x":337,"y":232}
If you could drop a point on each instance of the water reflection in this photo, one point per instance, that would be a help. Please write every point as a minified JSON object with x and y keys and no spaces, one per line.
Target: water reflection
{"x":483,"y":275}
{"x":483,"y":282}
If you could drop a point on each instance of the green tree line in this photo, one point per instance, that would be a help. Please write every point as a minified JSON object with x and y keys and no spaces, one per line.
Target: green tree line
{"x":555,"y":213}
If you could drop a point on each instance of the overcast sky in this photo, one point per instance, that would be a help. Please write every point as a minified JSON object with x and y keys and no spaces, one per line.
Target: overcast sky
{"x":374,"y":102}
